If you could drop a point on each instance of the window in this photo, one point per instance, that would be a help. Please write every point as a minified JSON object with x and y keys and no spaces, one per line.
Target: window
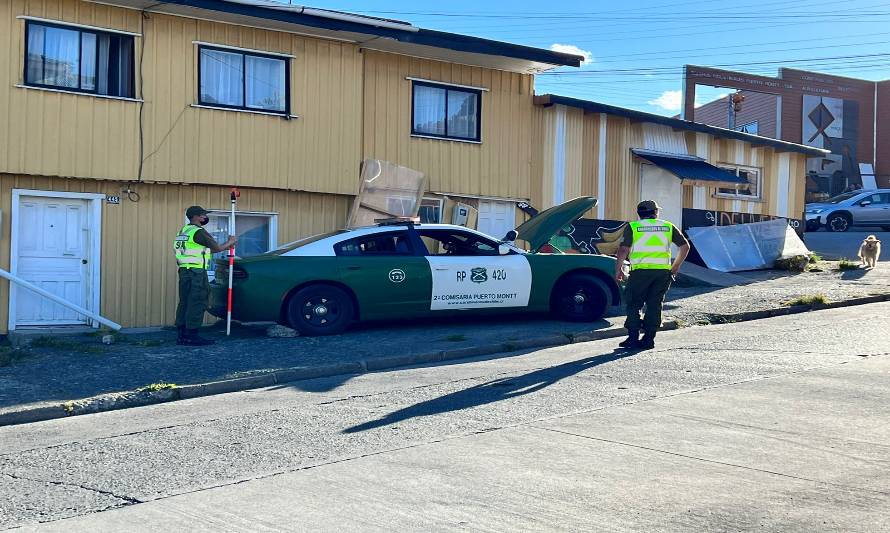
{"x":394,"y":243}
{"x":430,"y":211}
{"x":74,"y":59}
{"x":242,"y":80}
{"x":876,"y":199}
{"x":752,"y":127}
{"x":257,"y":233}
{"x":750,"y":174}
{"x":446,"y":112}
{"x":458,"y":243}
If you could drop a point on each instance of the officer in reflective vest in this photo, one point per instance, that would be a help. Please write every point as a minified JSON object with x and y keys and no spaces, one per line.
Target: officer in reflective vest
{"x":647,"y":244}
{"x":193,"y":248}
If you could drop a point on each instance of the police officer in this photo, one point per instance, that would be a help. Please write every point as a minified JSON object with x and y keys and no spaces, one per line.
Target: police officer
{"x":193,"y":248}
{"x":647,"y":242}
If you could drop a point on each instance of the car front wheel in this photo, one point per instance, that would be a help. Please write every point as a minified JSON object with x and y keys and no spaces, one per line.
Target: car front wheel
{"x":838,"y":222}
{"x":320,"y":310}
{"x":580,"y":298}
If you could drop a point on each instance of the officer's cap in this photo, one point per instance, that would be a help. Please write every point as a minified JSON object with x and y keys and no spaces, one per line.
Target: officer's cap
{"x":647,"y":206}
{"x":195,"y":211}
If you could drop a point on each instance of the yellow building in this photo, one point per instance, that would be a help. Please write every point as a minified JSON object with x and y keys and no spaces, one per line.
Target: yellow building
{"x":119,"y":114}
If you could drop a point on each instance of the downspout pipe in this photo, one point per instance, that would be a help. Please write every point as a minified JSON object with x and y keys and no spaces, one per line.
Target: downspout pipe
{"x":61,"y":301}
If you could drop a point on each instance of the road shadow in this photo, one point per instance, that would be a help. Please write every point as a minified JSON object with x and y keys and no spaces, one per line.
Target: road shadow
{"x":493,"y":391}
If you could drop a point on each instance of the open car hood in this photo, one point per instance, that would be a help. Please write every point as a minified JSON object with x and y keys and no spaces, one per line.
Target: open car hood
{"x":539,"y":229}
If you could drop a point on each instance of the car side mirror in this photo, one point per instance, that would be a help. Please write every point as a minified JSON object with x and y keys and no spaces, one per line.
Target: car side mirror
{"x":865,"y":203}
{"x":504,"y":249}
{"x":511,"y":236}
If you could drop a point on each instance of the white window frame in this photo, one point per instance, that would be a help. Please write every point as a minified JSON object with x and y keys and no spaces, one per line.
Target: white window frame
{"x":273,"y":227}
{"x":735,"y":170}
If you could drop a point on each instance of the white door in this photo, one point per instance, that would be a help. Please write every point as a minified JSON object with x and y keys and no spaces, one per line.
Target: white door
{"x":667,"y":191}
{"x":496,"y":218}
{"x":54,"y":254}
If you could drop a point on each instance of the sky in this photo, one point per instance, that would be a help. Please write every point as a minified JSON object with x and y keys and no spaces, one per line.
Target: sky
{"x":635,"y":49}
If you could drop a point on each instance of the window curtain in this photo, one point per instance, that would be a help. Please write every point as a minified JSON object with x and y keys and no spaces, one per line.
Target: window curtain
{"x":53,"y":57}
{"x":462,"y":108}
{"x":104,"y":49}
{"x":429,"y":110}
{"x":222,"y":78}
{"x":265,"y":83}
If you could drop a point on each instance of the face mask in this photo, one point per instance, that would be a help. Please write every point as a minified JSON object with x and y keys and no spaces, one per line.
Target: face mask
{"x":204,"y":221}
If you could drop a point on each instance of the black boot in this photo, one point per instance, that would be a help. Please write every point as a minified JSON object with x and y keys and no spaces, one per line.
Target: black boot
{"x":181,"y":337}
{"x":194,"y":339}
{"x":648,"y":341}
{"x":632,"y":341}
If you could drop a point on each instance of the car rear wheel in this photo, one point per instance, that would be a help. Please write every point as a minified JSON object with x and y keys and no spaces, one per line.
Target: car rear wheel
{"x":320,"y":310}
{"x":839,"y":222}
{"x":580,"y":298}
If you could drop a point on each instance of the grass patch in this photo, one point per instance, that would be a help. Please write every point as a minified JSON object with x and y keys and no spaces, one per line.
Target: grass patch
{"x":10,"y":355}
{"x":846,"y":264}
{"x":456,"y":338}
{"x":54,"y":343}
{"x":808,"y":300}
{"x":155,"y":387}
{"x":149,"y":343}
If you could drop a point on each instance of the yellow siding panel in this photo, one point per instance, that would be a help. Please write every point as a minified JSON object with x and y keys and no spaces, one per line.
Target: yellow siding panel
{"x":500,"y":166}
{"x":138,"y":273}
{"x":58,"y":134}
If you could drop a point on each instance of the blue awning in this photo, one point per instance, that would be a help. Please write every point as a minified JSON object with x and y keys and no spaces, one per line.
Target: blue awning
{"x":692,"y":170}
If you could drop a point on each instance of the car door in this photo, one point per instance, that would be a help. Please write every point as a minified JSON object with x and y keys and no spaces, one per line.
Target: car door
{"x":469,"y":273}
{"x":387,"y":272}
{"x":873,"y":212}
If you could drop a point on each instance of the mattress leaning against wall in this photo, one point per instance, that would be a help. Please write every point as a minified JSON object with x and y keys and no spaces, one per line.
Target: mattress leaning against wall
{"x":741,"y":247}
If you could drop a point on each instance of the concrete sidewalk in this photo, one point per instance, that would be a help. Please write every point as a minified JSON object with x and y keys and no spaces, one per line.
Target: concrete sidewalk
{"x":805,"y":451}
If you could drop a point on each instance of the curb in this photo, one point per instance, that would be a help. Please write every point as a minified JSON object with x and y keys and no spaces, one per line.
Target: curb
{"x":124,"y":400}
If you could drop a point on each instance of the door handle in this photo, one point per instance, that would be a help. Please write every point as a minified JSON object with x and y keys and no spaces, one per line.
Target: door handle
{"x":353,"y":267}
{"x":441,"y":268}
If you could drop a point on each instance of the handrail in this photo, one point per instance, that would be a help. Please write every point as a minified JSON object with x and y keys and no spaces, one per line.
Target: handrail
{"x":61,"y":301}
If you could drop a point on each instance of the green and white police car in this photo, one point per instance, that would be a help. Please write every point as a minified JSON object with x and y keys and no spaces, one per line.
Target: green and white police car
{"x":321,"y":285}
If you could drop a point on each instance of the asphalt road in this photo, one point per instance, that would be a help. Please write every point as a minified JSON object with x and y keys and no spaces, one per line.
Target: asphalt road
{"x":777,"y":425}
{"x":845,"y":245}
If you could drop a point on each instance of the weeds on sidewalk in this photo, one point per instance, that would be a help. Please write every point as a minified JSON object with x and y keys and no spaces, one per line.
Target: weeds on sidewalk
{"x":10,"y":355}
{"x":846,"y":264}
{"x":809,"y":300}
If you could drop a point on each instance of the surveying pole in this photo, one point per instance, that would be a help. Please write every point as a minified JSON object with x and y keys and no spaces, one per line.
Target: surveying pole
{"x":235,"y":195}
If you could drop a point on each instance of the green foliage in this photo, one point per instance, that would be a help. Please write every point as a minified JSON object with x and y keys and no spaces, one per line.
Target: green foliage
{"x":846,"y":264}
{"x":808,"y":300}
{"x":155,"y":387}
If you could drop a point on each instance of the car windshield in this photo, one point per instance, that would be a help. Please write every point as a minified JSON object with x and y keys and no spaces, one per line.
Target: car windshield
{"x":841,"y":197}
{"x":303,"y":242}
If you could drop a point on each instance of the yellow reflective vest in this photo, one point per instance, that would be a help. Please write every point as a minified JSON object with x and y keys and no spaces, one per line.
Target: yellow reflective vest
{"x":190,"y":254}
{"x":651,"y":248}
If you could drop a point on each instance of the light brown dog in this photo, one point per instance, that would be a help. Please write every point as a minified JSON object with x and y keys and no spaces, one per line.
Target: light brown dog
{"x":870,"y":251}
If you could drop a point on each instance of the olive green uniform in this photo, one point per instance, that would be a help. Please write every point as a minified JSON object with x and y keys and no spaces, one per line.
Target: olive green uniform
{"x":647,"y":287}
{"x":194,"y":288}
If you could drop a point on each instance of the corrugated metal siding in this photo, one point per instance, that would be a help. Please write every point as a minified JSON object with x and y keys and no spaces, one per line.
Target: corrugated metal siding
{"x":622,"y":169}
{"x":663,"y":138}
{"x":74,"y":135}
{"x":590,"y":159}
{"x":138,"y":273}
{"x":500,"y":166}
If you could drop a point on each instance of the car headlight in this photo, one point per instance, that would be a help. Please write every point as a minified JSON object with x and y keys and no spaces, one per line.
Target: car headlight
{"x":815,"y":211}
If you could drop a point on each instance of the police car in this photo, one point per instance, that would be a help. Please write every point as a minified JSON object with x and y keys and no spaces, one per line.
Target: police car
{"x":402,"y":269}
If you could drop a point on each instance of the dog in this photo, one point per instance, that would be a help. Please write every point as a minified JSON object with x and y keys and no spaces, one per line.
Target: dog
{"x":870,"y":251}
